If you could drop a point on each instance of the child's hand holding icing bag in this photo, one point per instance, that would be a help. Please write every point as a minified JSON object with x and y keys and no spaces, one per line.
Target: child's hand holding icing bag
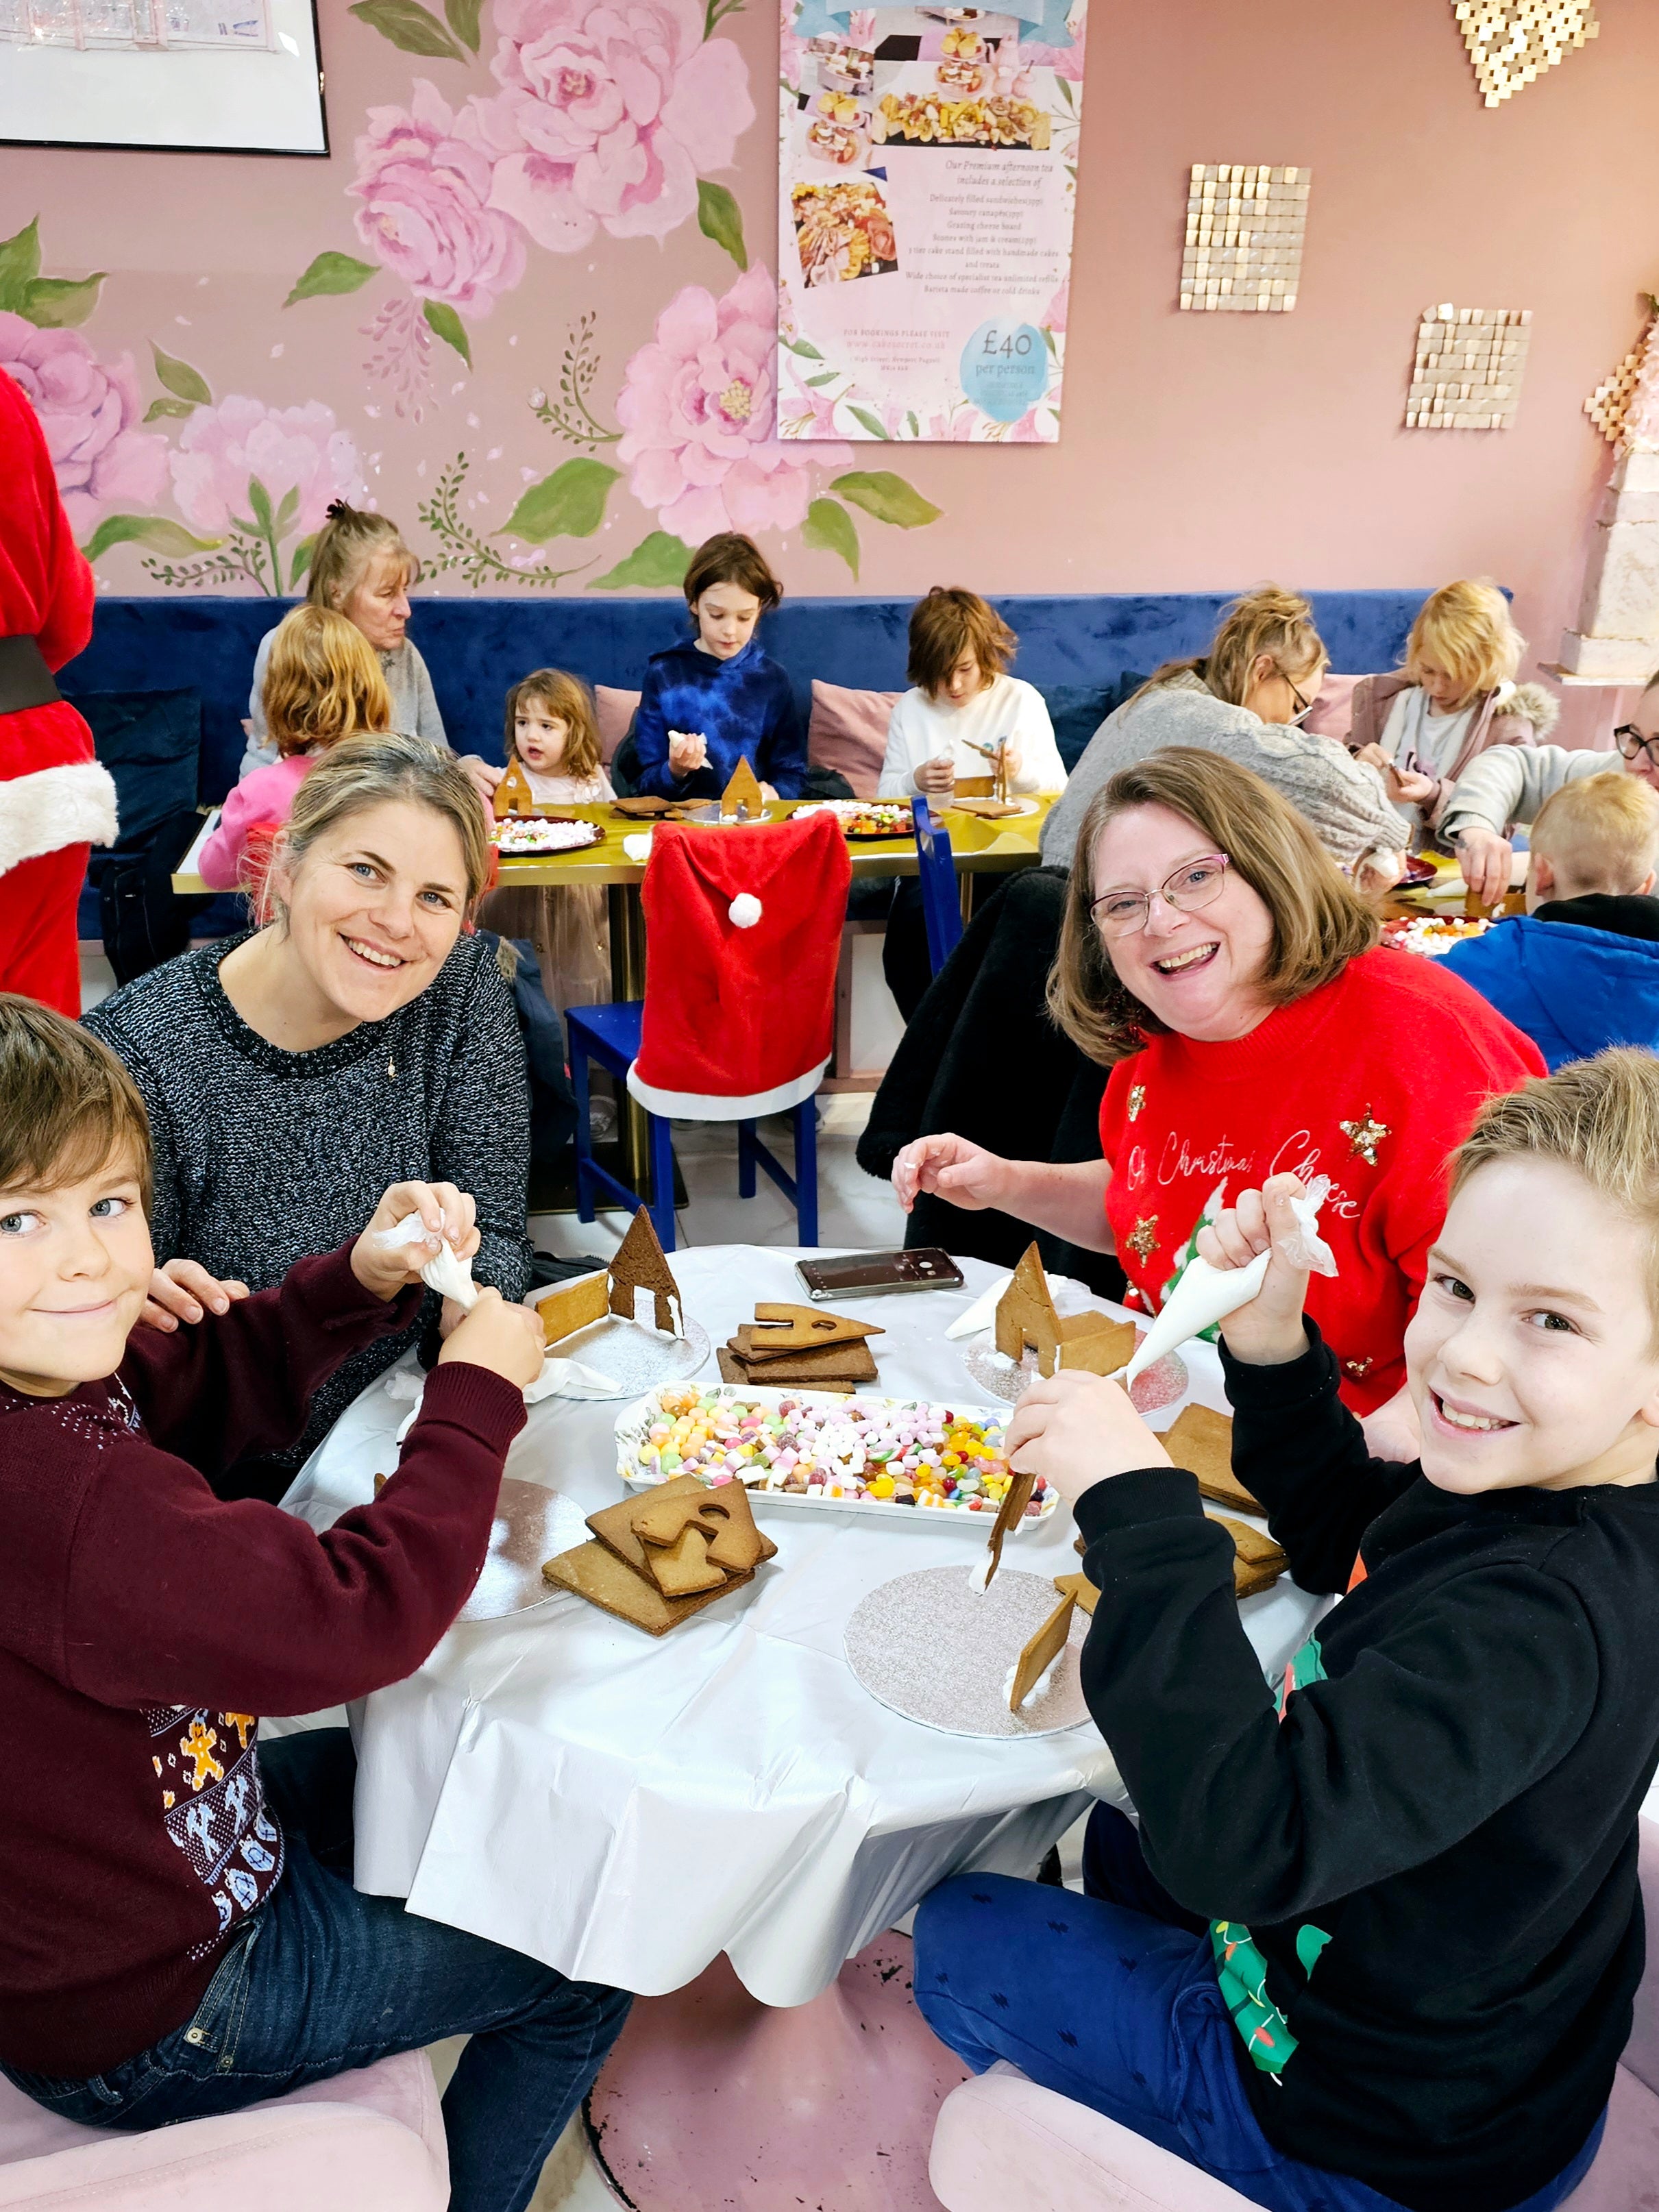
{"x":428,"y":1232}
{"x":1269,"y":1332}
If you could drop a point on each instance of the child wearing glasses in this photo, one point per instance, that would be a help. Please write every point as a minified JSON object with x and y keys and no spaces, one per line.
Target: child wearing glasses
{"x":1580,"y":971}
{"x":1455,"y":696}
{"x":1507,"y":786}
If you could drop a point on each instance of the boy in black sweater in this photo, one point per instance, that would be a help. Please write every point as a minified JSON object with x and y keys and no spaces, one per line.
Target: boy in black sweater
{"x":1381,"y":1946}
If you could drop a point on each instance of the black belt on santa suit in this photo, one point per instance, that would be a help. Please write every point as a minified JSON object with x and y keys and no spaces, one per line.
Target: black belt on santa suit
{"x":25,"y":678}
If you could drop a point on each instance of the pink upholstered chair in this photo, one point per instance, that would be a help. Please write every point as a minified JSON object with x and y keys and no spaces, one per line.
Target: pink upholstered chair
{"x":1001,"y":2144}
{"x":371,"y":2140}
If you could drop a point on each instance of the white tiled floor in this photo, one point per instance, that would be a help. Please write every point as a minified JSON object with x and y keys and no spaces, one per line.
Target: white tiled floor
{"x":853,"y":1209}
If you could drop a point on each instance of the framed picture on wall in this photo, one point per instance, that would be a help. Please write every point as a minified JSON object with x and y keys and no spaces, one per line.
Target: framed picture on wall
{"x":221,"y":77}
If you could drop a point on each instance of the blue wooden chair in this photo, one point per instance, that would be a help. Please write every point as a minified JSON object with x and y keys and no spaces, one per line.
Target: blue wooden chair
{"x":941,"y":902}
{"x":698,"y":953}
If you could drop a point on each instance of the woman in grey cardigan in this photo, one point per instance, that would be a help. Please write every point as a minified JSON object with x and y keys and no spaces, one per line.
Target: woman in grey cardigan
{"x":1245,"y":699}
{"x":359,"y":1039}
{"x":362,"y":569}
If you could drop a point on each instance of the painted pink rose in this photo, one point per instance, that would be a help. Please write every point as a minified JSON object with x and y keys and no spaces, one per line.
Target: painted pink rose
{"x":610,"y":112}
{"x":1054,"y":320}
{"x":424,"y":178}
{"x":698,"y":409}
{"x":89,"y":410}
{"x":296,"y":449}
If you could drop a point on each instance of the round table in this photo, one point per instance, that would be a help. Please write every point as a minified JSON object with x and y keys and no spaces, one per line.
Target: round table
{"x":628,"y":1810}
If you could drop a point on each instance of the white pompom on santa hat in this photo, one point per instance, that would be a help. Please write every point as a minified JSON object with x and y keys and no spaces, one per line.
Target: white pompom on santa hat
{"x":744,"y":911}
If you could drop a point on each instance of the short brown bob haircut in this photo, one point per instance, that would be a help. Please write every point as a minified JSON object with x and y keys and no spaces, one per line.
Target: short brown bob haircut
{"x":949,"y":622}
{"x":1320,"y":921}
{"x":68,"y":1107}
{"x":563,"y":698}
{"x":731,"y":558}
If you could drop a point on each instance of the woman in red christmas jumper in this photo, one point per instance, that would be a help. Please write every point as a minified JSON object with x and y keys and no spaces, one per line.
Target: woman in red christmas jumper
{"x":1214,"y":957}
{"x":55,"y":801}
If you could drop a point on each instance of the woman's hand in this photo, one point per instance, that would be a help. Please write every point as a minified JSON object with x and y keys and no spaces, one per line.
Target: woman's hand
{"x":688,"y":750}
{"x":1378,"y":871}
{"x":1078,"y":1429}
{"x":184,"y":1291}
{"x":935,"y":778}
{"x":952,"y":1168}
{"x":1374,"y":756}
{"x":1485,"y":859}
{"x":483,"y":776}
{"x":450,"y":1218}
{"x":1269,"y":1331}
{"x":1411,"y":787}
{"x":509,"y":1341}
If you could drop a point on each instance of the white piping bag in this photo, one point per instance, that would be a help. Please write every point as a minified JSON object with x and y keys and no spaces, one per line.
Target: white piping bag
{"x":1206,"y":1295}
{"x":447,"y":1272}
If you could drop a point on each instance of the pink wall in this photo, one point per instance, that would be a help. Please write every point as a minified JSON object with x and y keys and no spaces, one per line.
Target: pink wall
{"x":1199,"y":451}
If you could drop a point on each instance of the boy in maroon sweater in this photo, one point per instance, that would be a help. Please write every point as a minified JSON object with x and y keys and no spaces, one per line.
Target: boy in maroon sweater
{"x":181,"y":1935}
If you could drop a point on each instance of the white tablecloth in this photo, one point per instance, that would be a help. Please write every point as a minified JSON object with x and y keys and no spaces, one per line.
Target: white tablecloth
{"x":624,"y":1809}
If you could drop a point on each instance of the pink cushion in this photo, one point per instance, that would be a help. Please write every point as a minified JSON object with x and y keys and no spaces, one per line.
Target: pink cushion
{"x":370,"y":2139}
{"x":848,"y":732}
{"x":1002,"y":2144}
{"x":616,"y":710}
{"x":1332,"y":713}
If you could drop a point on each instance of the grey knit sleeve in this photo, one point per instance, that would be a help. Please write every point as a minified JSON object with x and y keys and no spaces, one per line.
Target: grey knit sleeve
{"x":481,"y":1141}
{"x":429,"y":723}
{"x":1509,"y":783}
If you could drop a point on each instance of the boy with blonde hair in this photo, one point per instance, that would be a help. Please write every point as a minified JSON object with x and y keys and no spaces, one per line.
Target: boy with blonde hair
{"x":1377,"y":1941}
{"x":1580,"y":971}
{"x":181,"y":1935}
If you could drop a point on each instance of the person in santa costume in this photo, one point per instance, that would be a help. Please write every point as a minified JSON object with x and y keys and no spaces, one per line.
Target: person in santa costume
{"x":55,"y":801}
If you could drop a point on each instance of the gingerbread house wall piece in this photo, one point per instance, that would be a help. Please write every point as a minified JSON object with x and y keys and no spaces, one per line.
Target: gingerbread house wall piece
{"x":642,"y":1285}
{"x":1026,"y":1315}
{"x":743,"y":792}
{"x":512,"y":793}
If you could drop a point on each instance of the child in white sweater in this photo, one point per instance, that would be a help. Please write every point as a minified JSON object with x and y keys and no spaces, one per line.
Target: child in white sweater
{"x":963,"y":706}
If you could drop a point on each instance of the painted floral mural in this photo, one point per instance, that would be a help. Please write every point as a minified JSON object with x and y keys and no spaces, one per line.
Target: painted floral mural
{"x":505,"y":322}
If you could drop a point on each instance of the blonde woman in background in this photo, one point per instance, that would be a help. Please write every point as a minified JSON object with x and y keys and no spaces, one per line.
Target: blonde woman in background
{"x":362,"y":569}
{"x":322,"y":683}
{"x":1245,"y":699}
{"x":1455,"y":695}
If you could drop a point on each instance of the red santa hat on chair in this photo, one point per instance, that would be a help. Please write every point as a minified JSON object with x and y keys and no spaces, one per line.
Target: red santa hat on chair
{"x":743,"y":942}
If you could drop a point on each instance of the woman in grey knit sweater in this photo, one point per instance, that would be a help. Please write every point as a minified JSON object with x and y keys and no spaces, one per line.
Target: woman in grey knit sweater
{"x":358,"y":1040}
{"x":1245,"y":699}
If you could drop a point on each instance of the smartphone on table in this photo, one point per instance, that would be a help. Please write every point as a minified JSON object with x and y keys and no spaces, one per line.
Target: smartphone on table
{"x":865,"y":1274}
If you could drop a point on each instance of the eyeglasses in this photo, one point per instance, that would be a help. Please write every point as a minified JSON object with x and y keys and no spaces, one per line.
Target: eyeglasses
{"x":1303,"y":706}
{"x":1633,"y":744}
{"x":1195,"y":884}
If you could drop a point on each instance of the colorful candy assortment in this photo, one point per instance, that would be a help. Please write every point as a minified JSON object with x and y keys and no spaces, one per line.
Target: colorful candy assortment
{"x":878,"y":1451}
{"x":1432,"y":934}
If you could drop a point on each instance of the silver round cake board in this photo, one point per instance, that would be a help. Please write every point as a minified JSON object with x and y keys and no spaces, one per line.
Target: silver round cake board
{"x":929,"y":1646}
{"x":635,"y":1359}
{"x":531,"y":1524}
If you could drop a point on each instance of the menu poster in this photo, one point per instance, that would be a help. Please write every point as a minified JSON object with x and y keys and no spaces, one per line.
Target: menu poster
{"x":927,"y":186}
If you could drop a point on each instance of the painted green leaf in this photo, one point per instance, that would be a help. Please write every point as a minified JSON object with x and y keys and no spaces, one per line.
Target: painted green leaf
{"x":872,"y":423}
{"x":915,"y":427}
{"x":800,"y":346}
{"x":656,"y":561}
{"x":287,"y":511}
{"x":303,"y":553}
{"x":828,"y":528}
{"x":178,"y":378}
{"x":259,"y":499}
{"x":158,"y":408}
{"x":1065,"y":91}
{"x":888,"y":497}
{"x":60,"y":303}
{"x":152,"y":529}
{"x":824,"y":376}
{"x":462,"y":17}
{"x":444,"y":322}
{"x":19,"y":264}
{"x":570,"y":504}
{"x":719,"y":218}
{"x":331,"y":273}
{"x":409,"y":28}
